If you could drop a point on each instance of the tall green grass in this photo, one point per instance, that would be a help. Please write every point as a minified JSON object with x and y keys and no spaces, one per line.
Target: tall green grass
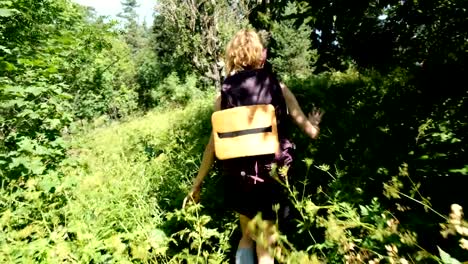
{"x":354,"y":192}
{"x":112,"y":200}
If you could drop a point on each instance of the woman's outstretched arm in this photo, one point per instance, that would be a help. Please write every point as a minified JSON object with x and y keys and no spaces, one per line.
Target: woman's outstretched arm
{"x":309,"y":125}
{"x":205,"y":166}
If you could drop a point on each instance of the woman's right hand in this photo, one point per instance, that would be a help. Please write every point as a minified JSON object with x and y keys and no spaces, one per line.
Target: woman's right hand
{"x":308,"y":124}
{"x":315,"y":116}
{"x":193,"y":196}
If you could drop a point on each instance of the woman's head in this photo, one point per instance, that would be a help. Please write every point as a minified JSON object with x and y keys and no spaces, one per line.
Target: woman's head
{"x":244,"y":51}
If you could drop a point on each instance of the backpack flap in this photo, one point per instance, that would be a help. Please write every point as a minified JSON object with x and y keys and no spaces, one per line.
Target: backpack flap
{"x":245,"y":131}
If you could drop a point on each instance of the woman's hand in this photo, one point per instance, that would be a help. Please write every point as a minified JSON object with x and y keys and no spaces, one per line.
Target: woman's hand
{"x":315,"y":116}
{"x":193,"y":196}
{"x":308,"y":124}
{"x":205,"y":166}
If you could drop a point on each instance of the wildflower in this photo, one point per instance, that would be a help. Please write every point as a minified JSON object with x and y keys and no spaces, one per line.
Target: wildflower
{"x":404,"y":261}
{"x":464,"y":243}
{"x":393,"y":225}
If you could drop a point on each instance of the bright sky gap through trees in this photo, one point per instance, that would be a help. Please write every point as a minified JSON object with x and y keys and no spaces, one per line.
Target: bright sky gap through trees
{"x":113,"y":7}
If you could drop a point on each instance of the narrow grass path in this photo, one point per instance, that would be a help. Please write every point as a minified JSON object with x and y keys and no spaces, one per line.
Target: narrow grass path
{"x":109,"y":201}
{"x":115,"y":199}
{"x":112,"y":201}
{"x":124,"y":169}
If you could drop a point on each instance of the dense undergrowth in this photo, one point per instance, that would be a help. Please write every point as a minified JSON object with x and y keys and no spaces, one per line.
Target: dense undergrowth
{"x":117,"y":197}
{"x":110,"y":200}
{"x":87,"y":178}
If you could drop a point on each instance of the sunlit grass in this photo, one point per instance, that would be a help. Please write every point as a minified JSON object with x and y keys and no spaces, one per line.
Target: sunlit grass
{"x":106,"y":203}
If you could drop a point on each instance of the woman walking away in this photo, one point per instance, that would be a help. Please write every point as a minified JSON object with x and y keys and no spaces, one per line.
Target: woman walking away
{"x":249,"y":187}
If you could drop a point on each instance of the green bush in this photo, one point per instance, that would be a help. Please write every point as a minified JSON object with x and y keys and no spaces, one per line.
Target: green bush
{"x":368,"y":190}
{"x":380,"y":147}
{"x":118,"y":197}
{"x":106,"y":84}
{"x":173,"y":91}
{"x":32,"y":122}
{"x":292,"y":52}
{"x":57,"y":65}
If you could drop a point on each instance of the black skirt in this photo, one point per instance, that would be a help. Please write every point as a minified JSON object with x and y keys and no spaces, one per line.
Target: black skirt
{"x":249,"y":187}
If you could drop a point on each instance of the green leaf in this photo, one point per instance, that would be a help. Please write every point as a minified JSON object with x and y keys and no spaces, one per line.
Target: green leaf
{"x":463,"y":171}
{"x":36,"y":166}
{"x":424,"y":157}
{"x":5,"y":49}
{"x":13,"y":90}
{"x":13,"y":103}
{"x":52,"y":69}
{"x":65,"y":96}
{"x":4,"y":12}
{"x":27,"y":145}
{"x":6,"y":3}
{"x":54,"y":123}
{"x":446,"y":258}
{"x":6,"y":66}
{"x":30,"y":114}
{"x":364,"y":211}
{"x":16,"y":162}
{"x":48,"y":182}
{"x":35,"y":90}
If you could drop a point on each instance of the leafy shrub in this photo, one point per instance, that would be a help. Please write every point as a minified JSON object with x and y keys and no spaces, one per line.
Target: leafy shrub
{"x":58,"y":65}
{"x":148,"y":75}
{"x":120,"y":201}
{"x":172,"y":91}
{"x":33,"y":116}
{"x":107,"y":85}
{"x":117,"y":197}
{"x":374,"y":146}
{"x":291,"y":48}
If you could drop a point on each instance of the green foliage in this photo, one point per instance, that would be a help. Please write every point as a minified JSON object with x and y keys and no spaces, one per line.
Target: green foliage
{"x":379,"y":34}
{"x":206,"y":245}
{"x":32,"y":122}
{"x":92,"y":210}
{"x":292,"y":51}
{"x":148,"y":76}
{"x":361,"y":233}
{"x":172,"y":91}
{"x":119,"y":201}
{"x":34,"y":103}
{"x":447,"y":259}
{"x":370,"y":188}
{"x":189,"y":38}
{"x":384,"y":143}
{"x":108,"y":84}
{"x":57,"y":65}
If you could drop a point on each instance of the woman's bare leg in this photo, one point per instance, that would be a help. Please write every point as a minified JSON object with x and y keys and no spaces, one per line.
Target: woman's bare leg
{"x":263,"y":255}
{"x":246,"y":240}
{"x":245,"y":250}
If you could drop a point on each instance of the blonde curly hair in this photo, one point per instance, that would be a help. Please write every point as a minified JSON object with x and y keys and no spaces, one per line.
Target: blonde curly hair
{"x":244,"y":51}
